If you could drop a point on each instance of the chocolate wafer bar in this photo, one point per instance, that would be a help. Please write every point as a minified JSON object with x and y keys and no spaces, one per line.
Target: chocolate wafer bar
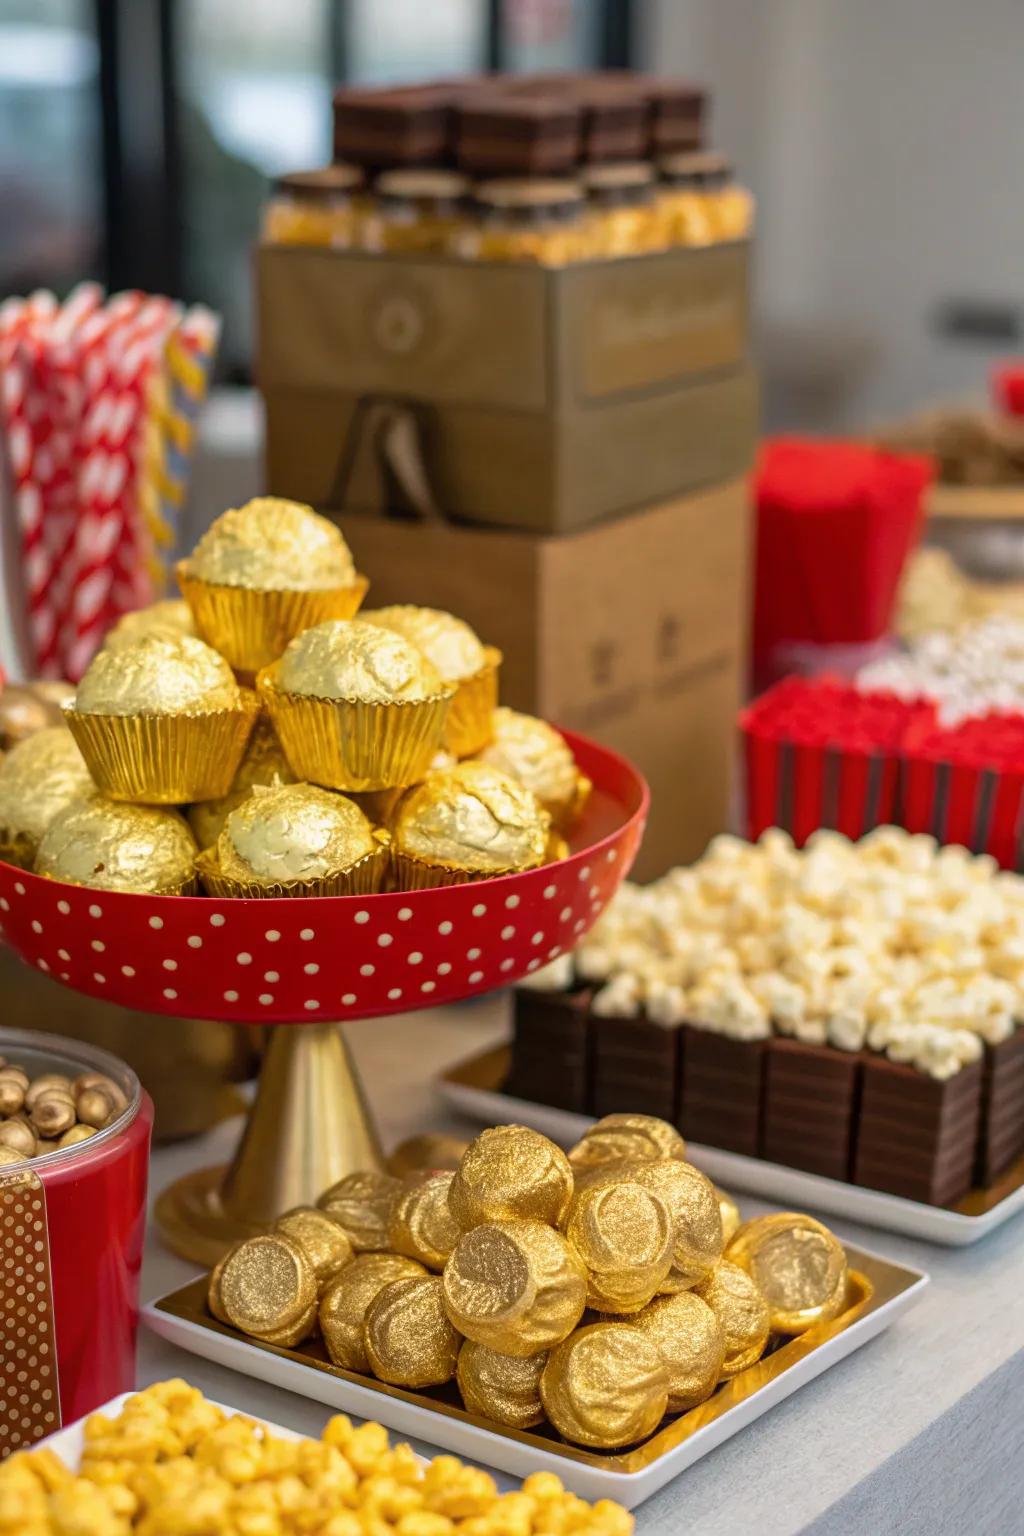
{"x":636,"y":1067}
{"x":407,"y":125}
{"x":613,"y":110}
{"x":811,"y":1097}
{"x":917,"y":1136}
{"x":722,"y":1091}
{"x":1001,"y":1141}
{"x":551,"y":1048}
{"x":675,"y":115}
{"x":516,"y":136}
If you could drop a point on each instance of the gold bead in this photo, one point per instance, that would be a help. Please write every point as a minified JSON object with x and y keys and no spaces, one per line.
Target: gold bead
{"x":19,"y":1136}
{"x":47,"y":1084}
{"x":52,"y":1114}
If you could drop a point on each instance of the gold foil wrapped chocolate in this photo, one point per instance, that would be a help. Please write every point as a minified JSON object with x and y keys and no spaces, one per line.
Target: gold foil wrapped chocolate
{"x":213,"y":1299}
{"x":270,"y":544}
{"x":516,"y":1286}
{"x":26,"y":708}
{"x":321,"y":1239}
{"x":689,"y":1338}
{"x":510,"y":1171}
{"x":263,"y":762}
{"x":742,"y":1312}
{"x":409,"y":1339}
{"x":422,"y":1225}
{"x":505,"y":1388}
{"x":605,"y":1386}
{"x":627,"y":1138}
{"x":697,"y":1238}
{"x":167,"y":619}
{"x":624,"y":1235}
{"x":468,"y":823}
{"x":730,"y":1214}
{"x":158,"y":677}
{"x":538,"y":756}
{"x":267,"y":1289}
{"x":798,"y":1265}
{"x":362,"y":1204}
{"x":39,"y":778}
{"x":345,"y":1300}
{"x":454,"y":650}
{"x":119,"y":847}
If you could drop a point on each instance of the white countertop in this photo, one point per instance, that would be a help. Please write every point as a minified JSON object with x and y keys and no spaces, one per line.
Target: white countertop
{"x":921,"y":1432}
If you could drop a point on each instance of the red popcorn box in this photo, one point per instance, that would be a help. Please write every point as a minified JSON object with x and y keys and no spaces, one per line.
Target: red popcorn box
{"x":1008,"y":387}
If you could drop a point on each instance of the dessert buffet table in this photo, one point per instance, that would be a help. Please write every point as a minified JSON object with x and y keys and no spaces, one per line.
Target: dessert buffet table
{"x":918,"y":1433}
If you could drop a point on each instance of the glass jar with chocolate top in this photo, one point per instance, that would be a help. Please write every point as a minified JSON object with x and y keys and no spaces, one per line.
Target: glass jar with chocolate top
{"x":623,"y":215}
{"x":467,"y":823}
{"x":420,"y":210}
{"x":542,"y":222}
{"x":39,"y":778}
{"x":314,"y":207}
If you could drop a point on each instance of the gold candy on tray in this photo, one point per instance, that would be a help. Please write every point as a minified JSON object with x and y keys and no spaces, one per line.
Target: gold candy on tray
{"x":505,"y":1388}
{"x":466,"y":823}
{"x":263,"y":762}
{"x":627,"y":1138}
{"x":730,"y":1214}
{"x":697,"y":1239}
{"x":605,"y":1386}
{"x":213,"y":1300}
{"x":409,"y":1339}
{"x":422,"y":1225}
{"x":345,"y":1300}
{"x":516,"y":1286}
{"x":624,"y":1235}
{"x":797,"y":1264}
{"x":117,"y":847}
{"x":320,"y":1237}
{"x":267,"y":1288}
{"x":167,"y":619}
{"x":742,"y":1311}
{"x":362,"y":1203}
{"x":459,"y":658}
{"x":538,"y":756}
{"x":690,"y":1339}
{"x":510,"y":1171}
{"x":39,"y":778}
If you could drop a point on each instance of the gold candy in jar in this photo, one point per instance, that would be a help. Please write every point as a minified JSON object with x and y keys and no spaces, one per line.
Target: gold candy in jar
{"x":505,"y":1388}
{"x":730,"y":1214}
{"x":267,"y":1289}
{"x":605,"y":1386}
{"x":510,"y":1171}
{"x":117,"y":847}
{"x":18,"y":1136}
{"x":320,"y":1237}
{"x":14,"y":1084}
{"x":459,"y":657}
{"x":798,"y":1265}
{"x":690,"y":1339}
{"x":623,"y":1233}
{"x":362,"y":1204}
{"x":697,"y":1238}
{"x":467,"y":823}
{"x":409,"y":1339}
{"x":742,"y":1311}
{"x":39,"y":778}
{"x":422,"y":1226}
{"x":516,"y":1286}
{"x":627,"y":1138}
{"x":263,"y":762}
{"x":539,"y":758}
{"x":344,"y":1303}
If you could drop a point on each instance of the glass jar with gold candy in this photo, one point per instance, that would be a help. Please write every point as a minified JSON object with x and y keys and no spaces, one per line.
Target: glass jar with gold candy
{"x":524,"y":220}
{"x":416,"y":210}
{"x":622,"y":209}
{"x":314,"y":207}
{"x":700,"y":202}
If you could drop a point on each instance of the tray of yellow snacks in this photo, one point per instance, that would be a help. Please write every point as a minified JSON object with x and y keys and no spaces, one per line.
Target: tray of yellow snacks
{"x":604,"y":1315}
{"x":168,"y":1462}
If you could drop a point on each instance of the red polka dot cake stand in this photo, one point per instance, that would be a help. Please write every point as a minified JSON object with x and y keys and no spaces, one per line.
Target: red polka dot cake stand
{"x":315,"y":962}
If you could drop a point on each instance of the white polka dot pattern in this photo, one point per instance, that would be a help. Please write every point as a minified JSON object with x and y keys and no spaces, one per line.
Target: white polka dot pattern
{"x":29,"y":1405}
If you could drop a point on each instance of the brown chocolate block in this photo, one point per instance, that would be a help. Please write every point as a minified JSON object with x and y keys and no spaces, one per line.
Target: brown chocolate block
{"x":675,"y":115}
{"x":551,"y":1049}
{"x":1001,"y":1141}
{"x":811,"y":1095}
{"x":636,"y":1067}
{"x":516,"y":136}
{"x":722,"y":1091}
{"x":917,"y":1137}
{"x":613,"y":110}
{"x":406,"y":125}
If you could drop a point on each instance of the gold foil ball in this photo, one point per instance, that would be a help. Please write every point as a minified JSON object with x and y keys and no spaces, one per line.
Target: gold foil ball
{"x":606,"y":1386}
{"x":8,"y":1157}
{"x":168,"y":620}
{"x":293,"y":832}
{"x":697,"y":1238}
{"x":505,"y":1388}
{"x":409,"y":1339}
{"x":623,"y":1233}
{"x":422,"y":1225}
{"x":273,"y":545}
{"x":362,"y":1203}
{"x":39,"y":778}
{"x":19,"y":1136}
{"x":627,"y":1138}
{"x":516,"y":1286}
{"x":447,"y":642}
{"x":742,"y":1311}
{"x":510,"y":1171}
{"x":107,"y":1086}
{"x":262,"y":763}
{"x":797,"y":1264}
{"x":689,"y":1338}
{"x":474,"y":817}
{"x":320,"y":1237}
{"x":118,"y":847}
{"x":152,"y":676}
{"x":25,"y":709}
{"x":267,"y":1289}
{"x":350,"y":659}
{"x":537,"y":756}
{"x":730,"y":1213}
{"x":76,"y":1134}
{"x":345,"y":1300}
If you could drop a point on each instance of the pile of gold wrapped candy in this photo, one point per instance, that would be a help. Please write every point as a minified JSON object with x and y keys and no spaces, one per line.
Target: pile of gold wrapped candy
{"x":596,"y":1291}
{"x":257,"y":739}
{"x":41,"y":1114}
{"x":172,"y":1464}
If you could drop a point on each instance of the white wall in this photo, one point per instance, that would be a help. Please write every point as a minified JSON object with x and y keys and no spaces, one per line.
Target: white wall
{"x":884,"y":140}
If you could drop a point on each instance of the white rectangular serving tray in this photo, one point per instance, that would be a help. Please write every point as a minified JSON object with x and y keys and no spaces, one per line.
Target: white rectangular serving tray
{"x":467,"y":1088}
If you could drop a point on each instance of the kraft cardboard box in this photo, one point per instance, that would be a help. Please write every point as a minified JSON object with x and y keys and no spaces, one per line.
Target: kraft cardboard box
{"x":548,"y":399}
{"x":632,"y":631}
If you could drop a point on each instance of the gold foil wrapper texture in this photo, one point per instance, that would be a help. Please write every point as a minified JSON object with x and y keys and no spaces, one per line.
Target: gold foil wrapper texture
{"x":471,"y":717}
{"x":263,"y":762}
{"x":697,"y":1237}
{"x":471,"y":819}
{"x":624,"y":1235}
{"x":448,"y":643}
{"x":293,"y":832}
{"x":797,"y":1264}
{"x":362,"y":1203}
{"x":272,"y":544}
{"x":252,"y":628}
{"x":501,"y":1387}
{"x":422,"y":1225}
{"x":606,"y":1386}
{"x":730,"y":1214}
{"x":268,"y":1289}
{"x":168,"y":619}
{"x":321,"y":1239}
{"x":409,"y":1339}
{"x":627,"y":1138}
{"x":26,"y":709}
{"x":364,"y":878}
{"x":346,"y":1298}
{"x":539,"y":757}
{"x":689,"y":1338}
{"x":516,"y":1286}
{"x":153,"y":676}
{"x":742,"y":1311}
{"x":510,"y":1171}
{"x":39,"y":778}
{"x":357,"y":661}
{"x":117,"y":847}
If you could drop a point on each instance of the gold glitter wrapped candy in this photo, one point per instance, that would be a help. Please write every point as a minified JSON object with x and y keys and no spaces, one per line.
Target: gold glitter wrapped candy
{"x":162,"y":722}
{"x":295,"y":840}
{"x":797,"y":1264}
{"x":459,"y":658}
{"x":697,"y":1238}
{"x":409,"y":1339}
{"x":263,"y":762}
{"x":468,"y":823}
{"x":422,"y":1225}
{"x":345,"y":1300}
{"x":501,"y":1387}
{"x":690,"y":1340}
{"x":516,"y":1286}
{"x":213,"y":1300}
{"x":168,"y":620}
{"x":320,"y":1237}
{"x":742,"y":1311}
{"x":26,"y":708}
{"x":117,"y":847}
{"x":730,"y":1213}
{"x":356,"y":707}
{"x":538,"y":756}
{"x":627,"y":1138}
{"x":262,"y":574}
{"x":624,"y":1235}
{"x":509,"y":1171}
{"x":606,"y":1386}
{"x":41,"y":777}
{"x":267,"y":1289}
{"x":362,"y":1203}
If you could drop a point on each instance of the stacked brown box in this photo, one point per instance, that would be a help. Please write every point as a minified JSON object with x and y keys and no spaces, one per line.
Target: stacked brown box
{"x":636,"y":1067}
{"x":723,"y":1086}
{"x":553,"y":1047}
{"x":811,"y":1099}
{"x":917,"y":1137}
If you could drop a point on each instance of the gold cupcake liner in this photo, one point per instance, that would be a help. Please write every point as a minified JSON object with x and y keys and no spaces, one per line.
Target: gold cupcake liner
{"x":363,"y":878}
{"x":17,"y":848}
{"x":557,"y":849}
{"x":251,"y":628}
{"x":351,"y":745}
{"x":411,"y":873}
{"x":165,"y":759}
{"x":469,"y":727}
{"x":564,"y":817}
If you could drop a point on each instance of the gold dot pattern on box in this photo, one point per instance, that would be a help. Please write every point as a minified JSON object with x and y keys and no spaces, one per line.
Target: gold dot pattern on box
{"x":29,"y":1400}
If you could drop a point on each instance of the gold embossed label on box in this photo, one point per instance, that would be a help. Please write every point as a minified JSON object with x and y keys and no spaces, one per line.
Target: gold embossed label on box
{"x":29,"y":1399}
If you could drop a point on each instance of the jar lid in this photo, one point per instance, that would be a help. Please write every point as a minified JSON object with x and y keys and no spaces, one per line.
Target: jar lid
{"x":701,"y":167}
{"x":523,"y":192}
{"x":426,"y":182}
{"x":327,"y":181}
{"x":618,"y":176}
